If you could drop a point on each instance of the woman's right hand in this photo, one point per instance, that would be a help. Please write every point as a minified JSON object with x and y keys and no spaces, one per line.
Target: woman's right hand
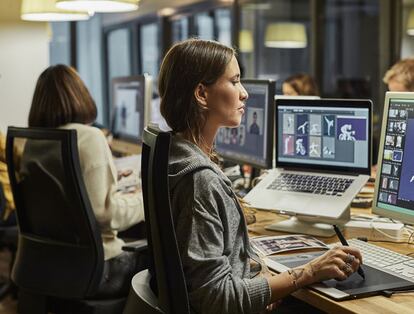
{"x":338,"y":263}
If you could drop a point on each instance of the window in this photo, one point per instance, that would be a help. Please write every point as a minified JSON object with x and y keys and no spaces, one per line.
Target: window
{"x":119,"y":53}
{"x":351,"y":49}
{"x":265,"y":54}
{"x":59,"y":47}
{"x":179,"y":29}
{"x":223,"y":24}
{"x":204,"y":25}
{"x":150,"y":49}
{"x":118,"y":59}
{"x":89,"y":60}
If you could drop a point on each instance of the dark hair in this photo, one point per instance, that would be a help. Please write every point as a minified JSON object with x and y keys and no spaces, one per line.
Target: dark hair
{"x":303,"y":84}
{"x":186,"y":65}
{"x":61,"y":97}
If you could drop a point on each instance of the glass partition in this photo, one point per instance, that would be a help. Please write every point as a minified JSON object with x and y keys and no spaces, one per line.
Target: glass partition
{"x":274,"y":38}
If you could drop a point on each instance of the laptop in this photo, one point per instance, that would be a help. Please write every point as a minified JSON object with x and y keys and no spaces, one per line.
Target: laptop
{"x":323,"y":158}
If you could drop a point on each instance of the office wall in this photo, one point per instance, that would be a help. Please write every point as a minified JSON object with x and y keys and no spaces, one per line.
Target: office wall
{"x":24,"y":54}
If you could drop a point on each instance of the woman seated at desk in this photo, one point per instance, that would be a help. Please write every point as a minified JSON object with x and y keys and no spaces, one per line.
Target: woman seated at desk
{"x":61,"y":100}
{"x":200,"y":89}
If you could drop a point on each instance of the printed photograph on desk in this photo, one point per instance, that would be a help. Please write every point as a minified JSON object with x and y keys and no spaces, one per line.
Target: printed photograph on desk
{"x":269,"y":245}
{"x":129,"y":174}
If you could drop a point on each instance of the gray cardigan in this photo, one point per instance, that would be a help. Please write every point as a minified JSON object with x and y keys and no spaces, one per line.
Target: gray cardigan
{"x":212,"y":236}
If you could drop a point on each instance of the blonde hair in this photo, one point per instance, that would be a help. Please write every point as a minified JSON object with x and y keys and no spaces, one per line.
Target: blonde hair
{"x":403,"y":72}
{"x":303,"y":84}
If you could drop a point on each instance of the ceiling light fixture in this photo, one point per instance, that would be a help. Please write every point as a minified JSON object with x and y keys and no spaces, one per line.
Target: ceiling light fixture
{"x":285,"y":35}
{"x":46,"y":11}
{"x":104,"y":6}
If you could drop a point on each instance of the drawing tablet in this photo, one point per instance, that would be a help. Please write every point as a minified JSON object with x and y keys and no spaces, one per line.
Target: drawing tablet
{"x":351,"y":288}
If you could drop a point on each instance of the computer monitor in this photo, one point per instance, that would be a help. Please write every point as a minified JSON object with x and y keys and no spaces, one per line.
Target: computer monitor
{"x":251,"y":142}
{"x":394,"y":186}
{"x":129,"y":97}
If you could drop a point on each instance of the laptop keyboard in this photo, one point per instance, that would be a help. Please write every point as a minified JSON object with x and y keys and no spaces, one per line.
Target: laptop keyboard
{"x":310,"y":184}
{"x":397,"y":264}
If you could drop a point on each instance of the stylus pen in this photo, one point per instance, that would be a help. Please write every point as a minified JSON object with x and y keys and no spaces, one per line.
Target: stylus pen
{"x":344,"y":242}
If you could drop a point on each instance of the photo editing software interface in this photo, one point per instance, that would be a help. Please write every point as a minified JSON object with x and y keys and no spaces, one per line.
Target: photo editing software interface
{"x":247,"y":143}
{"x":325,"y":136}
{"x":128,"y":108}
{"x":396,"y":186}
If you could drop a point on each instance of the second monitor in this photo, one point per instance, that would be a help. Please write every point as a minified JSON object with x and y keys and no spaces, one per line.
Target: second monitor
{"x":130,"y":98}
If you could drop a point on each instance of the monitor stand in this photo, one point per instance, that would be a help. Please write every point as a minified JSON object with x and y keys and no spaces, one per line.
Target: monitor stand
{"x":307,"y":225}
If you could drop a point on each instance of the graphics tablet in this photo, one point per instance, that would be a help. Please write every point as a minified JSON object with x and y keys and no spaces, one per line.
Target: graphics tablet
{"x":351,"y":288}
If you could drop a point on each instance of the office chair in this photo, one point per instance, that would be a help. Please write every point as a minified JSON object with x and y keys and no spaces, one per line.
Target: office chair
{"x":161,"y":288}
{"x":60,"y":259}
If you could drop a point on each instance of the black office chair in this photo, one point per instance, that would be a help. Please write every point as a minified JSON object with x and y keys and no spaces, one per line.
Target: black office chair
{"x":60,"y":259}
{"x":162,"y":288}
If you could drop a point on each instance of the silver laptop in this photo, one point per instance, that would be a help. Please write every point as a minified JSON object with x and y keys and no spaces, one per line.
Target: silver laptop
{"x":323,"y":158}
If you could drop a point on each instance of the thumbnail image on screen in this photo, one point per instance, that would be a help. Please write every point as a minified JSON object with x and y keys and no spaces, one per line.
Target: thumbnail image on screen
{"x":325,"y":136}
{"x":248,"y":143}
{"x":128,"y":102}
{"x":396,"y":186}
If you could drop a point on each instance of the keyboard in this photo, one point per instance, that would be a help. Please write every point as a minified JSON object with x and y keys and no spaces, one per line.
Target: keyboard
{"x":386,"y":260}
{"x":310,"y":184}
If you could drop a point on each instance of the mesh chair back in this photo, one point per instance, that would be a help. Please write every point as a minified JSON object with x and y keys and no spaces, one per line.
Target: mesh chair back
{"x":60,"y":249}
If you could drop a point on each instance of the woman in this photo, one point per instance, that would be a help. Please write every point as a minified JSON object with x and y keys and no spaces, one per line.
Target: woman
{"x":200,"y":89}
{"x":400,"y":77}
{"x":300,"y":84}
{"x":61,"y":100}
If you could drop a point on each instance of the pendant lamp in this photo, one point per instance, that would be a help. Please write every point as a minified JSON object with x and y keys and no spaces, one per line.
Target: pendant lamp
{"x":98,"y":5}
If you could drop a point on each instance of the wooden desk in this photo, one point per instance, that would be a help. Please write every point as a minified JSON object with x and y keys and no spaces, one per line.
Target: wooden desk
{"x":398,"y":304}
{"x":123,"y":148}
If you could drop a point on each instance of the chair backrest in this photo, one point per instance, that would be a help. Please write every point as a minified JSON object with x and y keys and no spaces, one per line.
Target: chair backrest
{"x":165,"y":265}
{"x":60,"y":250}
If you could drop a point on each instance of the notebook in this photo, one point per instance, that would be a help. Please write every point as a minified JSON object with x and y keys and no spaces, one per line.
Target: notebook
{"x":353,"y":287}
{"x":323,"y":158}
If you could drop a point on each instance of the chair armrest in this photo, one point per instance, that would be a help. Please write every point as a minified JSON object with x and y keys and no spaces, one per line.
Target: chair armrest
{"x":136,"y":246}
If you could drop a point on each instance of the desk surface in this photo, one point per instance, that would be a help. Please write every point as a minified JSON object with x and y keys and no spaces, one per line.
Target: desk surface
{"x":398,"y":304}
{"x":123,"y":148}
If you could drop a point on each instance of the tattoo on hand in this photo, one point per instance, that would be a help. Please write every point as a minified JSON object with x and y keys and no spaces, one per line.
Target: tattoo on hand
{"x":297,"y":273}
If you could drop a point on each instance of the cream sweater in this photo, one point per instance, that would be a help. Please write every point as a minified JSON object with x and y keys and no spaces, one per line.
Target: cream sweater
{"x":114,"y":211}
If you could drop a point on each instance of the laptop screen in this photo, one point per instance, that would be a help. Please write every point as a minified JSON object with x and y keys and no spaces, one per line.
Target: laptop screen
{"x":324,"y":134}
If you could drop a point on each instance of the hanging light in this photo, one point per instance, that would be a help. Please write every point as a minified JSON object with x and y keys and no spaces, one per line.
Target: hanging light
{"x":410,"y":23}
{"x":45,"y":10}
{"x":285,"y":35}
{"x":245,"y":41}
{"x":98,"y":5}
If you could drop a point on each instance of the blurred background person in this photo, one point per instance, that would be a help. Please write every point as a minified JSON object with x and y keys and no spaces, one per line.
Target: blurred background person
{"x":300,"y":84}
{"x":400,"y":77}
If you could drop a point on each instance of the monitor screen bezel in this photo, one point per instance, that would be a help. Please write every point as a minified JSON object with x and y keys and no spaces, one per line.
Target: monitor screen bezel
{"x":344,"y":103}
{"x":406,"y":218}
{"x":127,"y":79}
{"x":267,"y":162}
